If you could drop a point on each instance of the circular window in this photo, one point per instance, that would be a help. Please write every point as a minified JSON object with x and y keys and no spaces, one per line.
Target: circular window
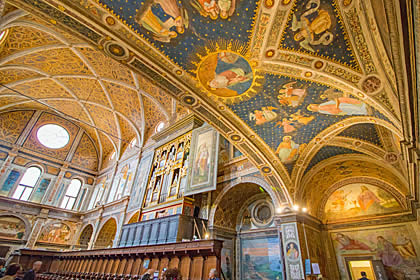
{"x":53,"y":136}
{"x":160,"y":127}
{"x":262,"y":213}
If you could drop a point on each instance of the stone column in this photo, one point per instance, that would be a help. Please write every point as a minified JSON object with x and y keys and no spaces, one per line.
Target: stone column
{"x":36,"y":228}
{"x":95,"y":229}
{"x":292,"y":250}
{"x":120,"y":225}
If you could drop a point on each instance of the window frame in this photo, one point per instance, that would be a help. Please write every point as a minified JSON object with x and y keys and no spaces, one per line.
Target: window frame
{"x":25,"y":187}
{"x":69,"y":196}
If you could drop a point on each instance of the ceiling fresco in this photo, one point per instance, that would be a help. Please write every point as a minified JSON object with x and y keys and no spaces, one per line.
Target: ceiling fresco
{"x":291,"y":83}
{"x":316,"y":27}
{"x":183,"y":29}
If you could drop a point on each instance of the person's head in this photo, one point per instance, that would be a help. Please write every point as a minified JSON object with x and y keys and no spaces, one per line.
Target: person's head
{"x":37,"y":266}
{"x":212,"y":273}
{"x":363,"y":274}
{"x":13,"y":269}
{"x":292,"y":246}
{"x":287,"y":139}
{"x":171,"y":274}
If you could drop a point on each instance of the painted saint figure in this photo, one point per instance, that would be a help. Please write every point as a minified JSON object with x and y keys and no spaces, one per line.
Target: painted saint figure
{"x":201,"y":164}
{"x":341,"y":106}
{"x":348,"y":243}
{"x":367,"y":198}
{"x":232,"y":72}
{"x":214,"y":8}
{"x":288,"y":150}
{"x":164,"y":19}
{"x":292,"y":252}
{"x":266,"y":114}
{"x":291,"y":96}
{"x":387,"y":253}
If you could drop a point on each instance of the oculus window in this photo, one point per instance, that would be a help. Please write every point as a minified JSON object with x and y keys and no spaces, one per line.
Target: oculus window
{"x":27,"y":184}
{"x":53,"y":136}
{"x":160,"y":127}
{"x":71,"y":194}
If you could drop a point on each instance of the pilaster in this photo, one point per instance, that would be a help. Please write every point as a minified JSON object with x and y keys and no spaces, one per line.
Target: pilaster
{"x":36,"y":229}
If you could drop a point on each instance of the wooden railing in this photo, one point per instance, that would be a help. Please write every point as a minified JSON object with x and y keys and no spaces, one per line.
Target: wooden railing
{"x":193,"y":259}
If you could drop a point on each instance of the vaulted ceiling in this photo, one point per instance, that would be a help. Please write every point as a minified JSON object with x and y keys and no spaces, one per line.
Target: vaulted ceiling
{"x":293,"y":84}
{"x":46,"y":68}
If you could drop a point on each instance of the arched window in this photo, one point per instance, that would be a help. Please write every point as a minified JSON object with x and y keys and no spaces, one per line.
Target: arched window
{"x":27,"y":184}
{"x":71,"y":194}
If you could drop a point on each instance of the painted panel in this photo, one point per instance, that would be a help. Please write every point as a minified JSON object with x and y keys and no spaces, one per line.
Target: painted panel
{"x":12,"y":228}
{"x":10,"y":182}
{"x":356,"y":200}
{"x":261,"y":258}
{"x":56,"y":233}
{"x":137,"y":191}
{"x":394,"y":246}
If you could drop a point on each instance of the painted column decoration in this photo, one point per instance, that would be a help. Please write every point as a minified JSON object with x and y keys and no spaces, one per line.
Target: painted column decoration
{"x":292,"y":252}
{"x":36,"y":228}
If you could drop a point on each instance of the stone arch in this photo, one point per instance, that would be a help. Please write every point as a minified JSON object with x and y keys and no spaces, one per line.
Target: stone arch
{"x":27,"y":224}
{"x":106,"y":234}
{"x":85,"y":235}
{"x":134,"y":218}
{"x":274,"y":195}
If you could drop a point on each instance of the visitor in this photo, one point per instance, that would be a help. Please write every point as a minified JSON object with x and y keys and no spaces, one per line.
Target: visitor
{"x":11,"y":272}
{"x":31,"y":274}
{"x":2,"y":267}
{"x":212,"y":274}
{"x":171,"y":274}
{"x":148,"y":275}
{"x":363,"y":276}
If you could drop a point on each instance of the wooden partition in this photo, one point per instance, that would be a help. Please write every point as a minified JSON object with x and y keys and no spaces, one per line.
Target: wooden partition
{"x":193,"y":259}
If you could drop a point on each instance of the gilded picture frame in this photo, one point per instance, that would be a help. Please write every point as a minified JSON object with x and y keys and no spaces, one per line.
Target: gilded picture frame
{"x":203,"y":160}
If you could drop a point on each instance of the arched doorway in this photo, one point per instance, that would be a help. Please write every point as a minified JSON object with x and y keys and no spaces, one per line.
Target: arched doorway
{"x":243,"y":216}
{"x":106,"y":235}
{"x":85,"y":237}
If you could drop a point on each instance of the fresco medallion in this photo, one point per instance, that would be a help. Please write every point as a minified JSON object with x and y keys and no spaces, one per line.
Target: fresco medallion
{"x":225,"y":74}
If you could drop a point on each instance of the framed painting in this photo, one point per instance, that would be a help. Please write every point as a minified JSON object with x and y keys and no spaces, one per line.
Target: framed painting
{"x":140,"y":183}
{"x":202,"y":174}
{"x":261,"y":258}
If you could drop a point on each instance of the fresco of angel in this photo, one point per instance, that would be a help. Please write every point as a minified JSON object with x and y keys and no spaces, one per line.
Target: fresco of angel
{"x":291,"y":96}
{"x":312,"y":28}
{"x":339,"y":104}
{"x":164,"y":19}
{"x":266,"y":114}
{"x":215,"y":8}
